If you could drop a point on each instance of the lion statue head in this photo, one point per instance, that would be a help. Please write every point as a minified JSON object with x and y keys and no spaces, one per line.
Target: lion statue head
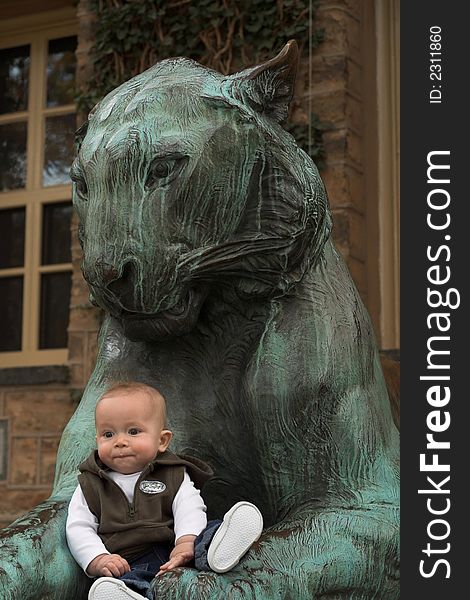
{"x":185,"y":179}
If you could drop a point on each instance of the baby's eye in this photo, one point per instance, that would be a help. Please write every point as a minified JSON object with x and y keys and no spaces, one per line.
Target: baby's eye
{"x":134,"y":431}
{"x":108,"y":434}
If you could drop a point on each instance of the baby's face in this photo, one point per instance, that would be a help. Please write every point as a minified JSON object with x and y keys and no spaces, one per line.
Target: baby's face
{"x":129,"y":431}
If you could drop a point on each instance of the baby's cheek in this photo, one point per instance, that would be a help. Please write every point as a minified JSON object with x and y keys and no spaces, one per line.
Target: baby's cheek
{"x":103,"y":453}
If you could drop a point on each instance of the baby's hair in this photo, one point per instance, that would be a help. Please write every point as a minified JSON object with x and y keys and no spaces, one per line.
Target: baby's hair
{"x":130,"y":387}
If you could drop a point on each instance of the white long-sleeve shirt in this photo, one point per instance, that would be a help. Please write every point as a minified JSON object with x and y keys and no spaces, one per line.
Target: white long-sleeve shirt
{"x":189,"y":515}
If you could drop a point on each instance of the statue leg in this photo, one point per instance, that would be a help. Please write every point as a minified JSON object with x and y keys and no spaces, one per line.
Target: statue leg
{"x":34,"y":559}
{"x":318,"y":555}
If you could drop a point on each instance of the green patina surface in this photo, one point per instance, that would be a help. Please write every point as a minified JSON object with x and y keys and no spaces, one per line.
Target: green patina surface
{"x":205,"y":232}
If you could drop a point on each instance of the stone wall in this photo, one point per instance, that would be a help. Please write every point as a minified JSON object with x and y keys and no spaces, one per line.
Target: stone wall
{"x":83,"y":325}
{"x":337,"y":98}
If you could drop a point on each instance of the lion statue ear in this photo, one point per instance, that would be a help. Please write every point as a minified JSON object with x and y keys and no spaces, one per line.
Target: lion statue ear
{"x":268,"y":88}
{"x":80,"y":135}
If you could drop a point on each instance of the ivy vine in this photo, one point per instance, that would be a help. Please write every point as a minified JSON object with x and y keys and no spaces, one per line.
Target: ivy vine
{"x":225,"y":35}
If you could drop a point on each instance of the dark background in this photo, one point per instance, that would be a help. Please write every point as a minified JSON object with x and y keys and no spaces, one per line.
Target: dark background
{"x":426,"y":127}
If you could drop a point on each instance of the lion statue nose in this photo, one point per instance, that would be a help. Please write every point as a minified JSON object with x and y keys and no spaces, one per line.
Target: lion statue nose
{"x":109,"y":272}
{"x":120,"y":283}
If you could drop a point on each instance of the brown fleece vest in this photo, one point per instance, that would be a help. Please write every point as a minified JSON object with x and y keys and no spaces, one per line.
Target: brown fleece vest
{"x":130,"y":529}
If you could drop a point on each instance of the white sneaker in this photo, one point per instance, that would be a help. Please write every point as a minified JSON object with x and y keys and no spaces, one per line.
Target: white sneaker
{"x":242,"y":525}
{"x":108,"y":588}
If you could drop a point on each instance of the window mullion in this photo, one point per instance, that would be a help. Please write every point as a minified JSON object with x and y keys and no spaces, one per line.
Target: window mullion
{"x":56,"y":268}
{"x":37,"y":102}
{"x":36,"y":275}
{"x":28,"y":305}
{"x":34,"y":212}
{"x":26,"y":343}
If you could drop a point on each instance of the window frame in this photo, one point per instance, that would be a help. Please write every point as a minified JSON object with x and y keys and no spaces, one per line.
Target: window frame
{"x":36,"y":31}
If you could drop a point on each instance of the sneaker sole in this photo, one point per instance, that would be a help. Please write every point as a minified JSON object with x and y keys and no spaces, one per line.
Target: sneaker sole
{"x":108,"y":588}
{"x":242,"y":525}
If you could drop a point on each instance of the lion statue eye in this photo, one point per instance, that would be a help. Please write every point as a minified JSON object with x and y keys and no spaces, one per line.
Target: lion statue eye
{"x":81,"y":187}
{"x":163,"y":170}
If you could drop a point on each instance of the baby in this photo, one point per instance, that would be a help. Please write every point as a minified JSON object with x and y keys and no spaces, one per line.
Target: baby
{"x":136,"y":512}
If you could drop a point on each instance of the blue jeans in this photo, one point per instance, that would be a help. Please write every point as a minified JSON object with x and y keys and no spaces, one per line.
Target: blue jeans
{"x":146,"y":566}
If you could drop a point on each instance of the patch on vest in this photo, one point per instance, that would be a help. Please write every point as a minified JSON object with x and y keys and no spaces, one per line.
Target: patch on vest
{"x":152,"y":487}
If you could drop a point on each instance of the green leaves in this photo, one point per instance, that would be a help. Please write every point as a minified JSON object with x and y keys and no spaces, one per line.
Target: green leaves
{"x":225,"y":35}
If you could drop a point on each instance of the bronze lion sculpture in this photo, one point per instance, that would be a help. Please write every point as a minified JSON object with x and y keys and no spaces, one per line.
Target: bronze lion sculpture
{"x":206,"y":239}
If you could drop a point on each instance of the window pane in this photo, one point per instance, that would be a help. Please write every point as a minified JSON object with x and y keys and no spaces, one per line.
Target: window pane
{"x":55,"y":303}
{"x":56,"y":233}
{"x":12,"y":238}
{"x":12,"y":156}
{"x":59,"y":149}
{"x":14,"y":75}
{"x":61,"y":71}
{"x":11,"y":311}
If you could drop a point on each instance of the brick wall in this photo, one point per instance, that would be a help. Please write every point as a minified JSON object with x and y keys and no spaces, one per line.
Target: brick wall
{"x":337,"y":99}
{"x":35,"y":417}
{"x":83,"y":325}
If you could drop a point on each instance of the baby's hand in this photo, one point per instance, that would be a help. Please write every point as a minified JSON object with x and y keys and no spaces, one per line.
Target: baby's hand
{"x":108,"y":565}
{"x":181,"y":554}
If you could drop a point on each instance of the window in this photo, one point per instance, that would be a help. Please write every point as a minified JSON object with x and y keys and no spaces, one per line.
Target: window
{"x":37,"y":125}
